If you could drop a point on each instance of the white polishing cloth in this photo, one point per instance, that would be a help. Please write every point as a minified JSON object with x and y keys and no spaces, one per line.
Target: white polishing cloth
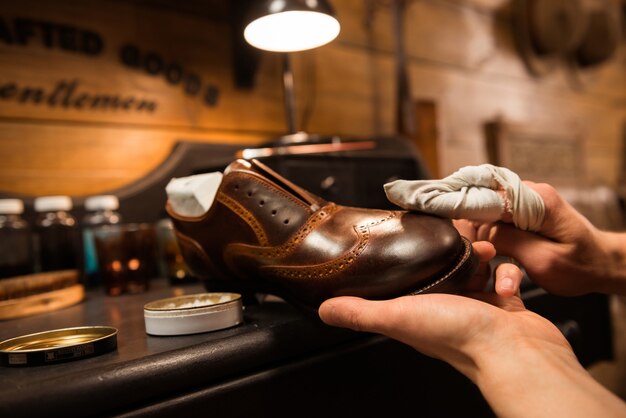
{"x":479,"y":193}
{"x":193,"y":195}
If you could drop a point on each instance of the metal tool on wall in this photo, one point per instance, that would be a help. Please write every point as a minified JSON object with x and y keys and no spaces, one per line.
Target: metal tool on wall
{"x":414,"y":120}
{"x":321,"y":148}
{"x":405,"y":123}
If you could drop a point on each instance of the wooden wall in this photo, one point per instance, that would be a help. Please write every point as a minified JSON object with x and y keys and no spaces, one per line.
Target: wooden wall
{"x":461,"y":56}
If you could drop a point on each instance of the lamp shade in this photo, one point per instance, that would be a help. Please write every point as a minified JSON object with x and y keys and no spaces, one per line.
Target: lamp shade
{"x":291,"y":25}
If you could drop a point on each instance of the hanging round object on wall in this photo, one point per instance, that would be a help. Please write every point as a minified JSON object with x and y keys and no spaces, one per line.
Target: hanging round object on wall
{"x":546,"y":31}
{"x":600,"y":40}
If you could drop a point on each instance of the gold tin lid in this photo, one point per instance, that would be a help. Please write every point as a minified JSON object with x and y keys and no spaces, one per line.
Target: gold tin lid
{"x":57,"y":346}
{"x":193,"y":314}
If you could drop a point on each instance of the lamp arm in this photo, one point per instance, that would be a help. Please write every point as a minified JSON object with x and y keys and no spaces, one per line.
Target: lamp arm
{"x":290,"y":100}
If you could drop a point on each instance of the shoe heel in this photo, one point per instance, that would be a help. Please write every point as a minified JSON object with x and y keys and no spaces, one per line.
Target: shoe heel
{"x":199,"y":264}
{"x":196,"y":260}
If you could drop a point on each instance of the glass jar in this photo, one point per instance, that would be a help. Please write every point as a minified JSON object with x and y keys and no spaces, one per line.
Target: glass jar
{"x":16,"y":243}
{"x":58,"y":235}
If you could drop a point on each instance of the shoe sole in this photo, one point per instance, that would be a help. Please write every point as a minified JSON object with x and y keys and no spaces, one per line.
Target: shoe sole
{"x":456,"y":279}
{"x":453,"y":282}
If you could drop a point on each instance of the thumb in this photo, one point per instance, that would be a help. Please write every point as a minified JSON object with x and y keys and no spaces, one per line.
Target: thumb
{"x":407,"y":319}
{"x":353,"y":313}
{"x":439,"y":325}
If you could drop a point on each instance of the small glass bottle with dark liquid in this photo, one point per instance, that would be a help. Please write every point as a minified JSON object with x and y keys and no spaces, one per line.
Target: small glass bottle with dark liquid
{"x":16,"y":244}
{"x":58,"y":234}
{"x":101,"y":210}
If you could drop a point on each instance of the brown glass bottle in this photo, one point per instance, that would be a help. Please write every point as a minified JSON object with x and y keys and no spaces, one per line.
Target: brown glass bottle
{"x":16,"y":246}
{"x":58,"y":234}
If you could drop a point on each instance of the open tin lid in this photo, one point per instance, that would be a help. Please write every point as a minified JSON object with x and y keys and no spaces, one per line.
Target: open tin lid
{"x":58,"y":345}
{"x":193,"y":314}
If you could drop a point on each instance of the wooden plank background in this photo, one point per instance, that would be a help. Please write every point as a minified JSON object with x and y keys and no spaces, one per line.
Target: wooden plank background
{"x":461,"y":56}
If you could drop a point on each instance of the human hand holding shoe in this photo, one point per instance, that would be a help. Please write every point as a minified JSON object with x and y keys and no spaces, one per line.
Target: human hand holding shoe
{"x":520,"y":361}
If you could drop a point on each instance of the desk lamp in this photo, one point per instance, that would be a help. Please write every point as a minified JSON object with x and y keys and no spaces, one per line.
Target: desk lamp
{"x":288,"y":26}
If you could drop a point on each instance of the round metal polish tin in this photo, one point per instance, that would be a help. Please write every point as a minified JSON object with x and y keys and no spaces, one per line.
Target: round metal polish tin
{"x":56,"y":346}
{"x":193,"y":314}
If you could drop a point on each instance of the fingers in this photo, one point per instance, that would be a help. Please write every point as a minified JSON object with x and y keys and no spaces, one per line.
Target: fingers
{"x":513,"y":242}
{"x":508,"y":279}
{"x":485,"y":252}
{"x":351,"y":312}
{"x":401,"y":318}
{"x":508,"y":276}
{"x":561,"y":220}
{"x":410,"y":319}
{"x":466,"y":228}
{"x":437,"y":325}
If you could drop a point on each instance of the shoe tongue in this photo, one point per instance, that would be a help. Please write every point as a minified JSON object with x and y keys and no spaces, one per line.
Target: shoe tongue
{"x":263,"y":170}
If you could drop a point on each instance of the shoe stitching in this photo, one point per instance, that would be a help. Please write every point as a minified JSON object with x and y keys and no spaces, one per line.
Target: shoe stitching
{"x":461,"y":264}
{"x":380,"y":221}
{"x":245,"y":215}
{"x":273,"y":188}
{"x":329,"y":268}
{"x":303,"y":272}
{"x":324,"y":270}
{"x":288,"y":247}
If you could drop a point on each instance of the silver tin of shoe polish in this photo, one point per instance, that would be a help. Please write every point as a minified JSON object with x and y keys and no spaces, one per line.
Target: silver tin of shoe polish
{"x":193,"y":314}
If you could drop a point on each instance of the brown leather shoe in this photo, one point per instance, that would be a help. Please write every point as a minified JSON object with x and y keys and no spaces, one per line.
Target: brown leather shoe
{"x":265,"y":234}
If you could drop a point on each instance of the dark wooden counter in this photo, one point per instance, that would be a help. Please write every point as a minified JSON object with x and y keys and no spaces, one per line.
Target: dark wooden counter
{"x":145,"y":367}
{"x":277,"y":363}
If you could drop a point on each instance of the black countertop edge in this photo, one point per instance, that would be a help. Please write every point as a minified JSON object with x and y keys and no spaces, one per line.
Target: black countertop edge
{"x":165,"y":374}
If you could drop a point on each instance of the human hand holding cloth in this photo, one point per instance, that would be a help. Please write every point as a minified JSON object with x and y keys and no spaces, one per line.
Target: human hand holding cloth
{"x":565,"y":253}
{"x":484,"y":193}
